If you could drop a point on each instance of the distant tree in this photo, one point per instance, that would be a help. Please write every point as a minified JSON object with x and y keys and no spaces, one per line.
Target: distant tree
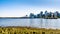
{"x":26,"y":15}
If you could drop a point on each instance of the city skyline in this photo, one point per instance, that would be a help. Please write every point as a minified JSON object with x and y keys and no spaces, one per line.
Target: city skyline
{"x":19,"y":8}
{"x":46,"y":14}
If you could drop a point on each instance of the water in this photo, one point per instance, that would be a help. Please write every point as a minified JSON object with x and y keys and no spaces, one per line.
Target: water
{"x":39,"y":23}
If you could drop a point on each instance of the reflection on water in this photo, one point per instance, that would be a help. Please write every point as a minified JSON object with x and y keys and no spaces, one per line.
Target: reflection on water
{"x":40,"y":23}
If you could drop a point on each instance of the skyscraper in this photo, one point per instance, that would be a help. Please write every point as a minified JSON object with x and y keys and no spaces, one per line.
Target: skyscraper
{"x":41,"y":14}
{"x":31,"y":15}
{"x":46,"y":14}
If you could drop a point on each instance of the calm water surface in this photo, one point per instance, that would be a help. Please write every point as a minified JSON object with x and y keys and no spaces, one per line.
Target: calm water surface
{"x":40,"y":23}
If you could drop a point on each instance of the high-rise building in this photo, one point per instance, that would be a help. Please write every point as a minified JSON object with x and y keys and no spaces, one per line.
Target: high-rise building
{"x":46,"y":15}
{"x":55,"y":15}
{"x":31,"y":15}
{"x":41,"y":14}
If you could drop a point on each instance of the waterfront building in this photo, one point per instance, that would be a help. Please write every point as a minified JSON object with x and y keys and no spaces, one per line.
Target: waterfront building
{"x":41,"y":14}
{"x":50,"y":14}
{"x":38,"y":15}
{"x":31,"y":15}
{"x":46,"y":15}
{"x":58,"y":14}
{"x":55,"y":15}
{"x":35,"y":16}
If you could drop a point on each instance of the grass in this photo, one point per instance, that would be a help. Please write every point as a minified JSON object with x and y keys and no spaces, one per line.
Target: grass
{"x":27,"y":30}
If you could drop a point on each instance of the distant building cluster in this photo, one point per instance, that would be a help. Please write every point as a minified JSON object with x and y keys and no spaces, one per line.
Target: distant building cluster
{"x":45,"y":15}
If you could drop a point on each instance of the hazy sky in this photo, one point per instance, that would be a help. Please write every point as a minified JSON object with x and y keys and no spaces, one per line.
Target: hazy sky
{"x":18,"y":8}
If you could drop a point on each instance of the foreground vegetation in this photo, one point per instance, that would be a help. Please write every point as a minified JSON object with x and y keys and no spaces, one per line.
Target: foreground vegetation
{"x":27,"y":30}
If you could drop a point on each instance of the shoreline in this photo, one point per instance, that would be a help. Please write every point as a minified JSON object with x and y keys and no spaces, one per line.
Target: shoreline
{"x":24,"y":18}
{"x":27,"y":27}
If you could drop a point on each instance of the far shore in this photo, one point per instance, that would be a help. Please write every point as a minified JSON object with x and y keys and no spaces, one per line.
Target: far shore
{"x":23,"y":18}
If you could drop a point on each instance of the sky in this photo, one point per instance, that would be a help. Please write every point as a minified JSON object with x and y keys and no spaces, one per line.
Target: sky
{"x":19,"y":8}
